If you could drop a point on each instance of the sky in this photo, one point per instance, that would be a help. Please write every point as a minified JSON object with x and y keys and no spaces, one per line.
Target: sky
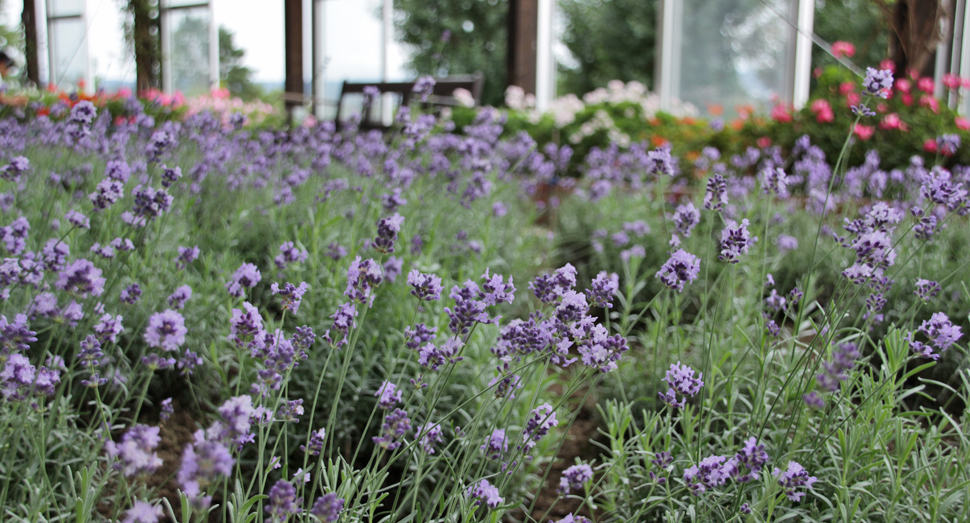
{"x":352,"y":38}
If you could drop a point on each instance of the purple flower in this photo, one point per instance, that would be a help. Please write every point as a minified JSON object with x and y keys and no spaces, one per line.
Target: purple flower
{"x":753,"y":457}
{"x":118,"y":171}
{"x":814,"y":400}
{"x":786,"y":242}
{"x":131,"y":294}
{"x":335,"y":251}
{"x":775,"y":301}
{"x":246,"y":277}
{"x":602,"y":289}
{"x":290,"y":294}
{"x":543,"y":418}
{"x":186,"y":256}
{"x":774,"y":181}
{"x":396,"y":425}
{"x":716,"y":196}
{"x":143,"y":512}
{"x":485,"y":493}
{"x":425,"y":287}
{"x":106,"y":193}
{"x":123,"y":244}
{"x":81,"y":278}
{"x":167,"y":409}
{"x":660,"y":161}
{"x":149,"y":204}
{"x":283,"y":502}
{"x":15,"y":235}
{"x":14,"y":169}
{"x":108,"y":329}
{"x":941,"y":333}
{"x":135,"y":452}
{"x":77,"y":219}
{"x":878,"y":83}
{"x":926,"y":289}
{"x":166,"y":330}
{"x":794,"y":477}
{"x":289,"y":253}
{"x":680,"y":380}
{"x":711,"y":472}
{"x":315,"y":445}
{"x":682,"y":268}
{"x":83,"y":112}
{"x":202,"y":464}
{"x":387,"y":230}
{"x":170,"y":176}
{"x":735,"y":241}
{"x":573,"y":478}
{"x":328,"y":507}
{"x":428,"y":436}
{"x":834,"y":372}
{"x":495,"y":445}
{"x":420,"y":334}
{"x":178,"y":298}
{"x":548,"y":288}
{"x":685,"y":218}
{"x":90,"y":352}
{"x":423,"y":87}
{"x":389,"y":395}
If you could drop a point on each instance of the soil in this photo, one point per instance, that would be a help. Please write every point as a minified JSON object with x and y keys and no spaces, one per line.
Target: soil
{"x":578,"y":443}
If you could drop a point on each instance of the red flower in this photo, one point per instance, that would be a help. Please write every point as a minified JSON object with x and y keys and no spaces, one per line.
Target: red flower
{"x":764,"y":142}
{"x":962,"y":123}
{"x":842,"y":49}
{"x":891,"y":121}
{"x":929,"y":101}
{"x":929,"y":145}
{"x":926,"y":84}
{"x":781,"y":113}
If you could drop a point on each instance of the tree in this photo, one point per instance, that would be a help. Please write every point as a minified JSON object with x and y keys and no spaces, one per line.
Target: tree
{"x":477,"y":40}
{"x":608,"y":40}
{"x":142,"y":28}
{"x":232,"y":74}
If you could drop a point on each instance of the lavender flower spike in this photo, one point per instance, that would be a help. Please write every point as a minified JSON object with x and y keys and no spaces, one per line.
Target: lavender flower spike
{"x":682,"y":268}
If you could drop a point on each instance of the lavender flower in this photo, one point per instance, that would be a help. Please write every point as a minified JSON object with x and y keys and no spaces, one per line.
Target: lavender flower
{"x":131,"y":294}
{"x":315,"y":445}
{"x":543,"y":418}
{"x":186,"y":256}
{"x":660,"y":161}
{"x":290,"y":295}
{"x":774,"y":181}
{"x":425,"y":287}
{"x":948,"y":144}
{"x":77,"y":219}
{"x":327,"y":508}
{"x":246,"y":277}
{"x":178,"y":298}
{"x":716,"y":196}
{"x":685,"y":218}
{"x":387,"y":230}
{"x":135,"y":452}
{"x":485,"y":493}
{"x":108,"y":329}
{"x":428,"y":436}
{"x":941,"y":334}
{"x":81,"y":278}
{"x":682,"y":268}
{"x":495,"y":445}
{"x":573,"y":478}
{"x":143,"y":512}
{"x":170,"y":175}
{"x":166,"y":409}
{"x":289,"y":253}
{"x":90,"y":352}
{"x":548,"y":288}
{"x":735,"y":241}
{"x":794,"y":477}
{"x":423,"y":87}
{"x":389,"y":396}
{"x":753,"y":457}
{"x":283,"y":502}
{"x":878,"y":83}
{"x":396,"y":425}
{"x":680,"y":380}
{"x":834,"y":372}
{"x":106,"y":194}
{"x":711,"y":472}
{"x":12,"y":171}
{"x":166,"y":330}
{"x":926,"y":289}
{"x":602,"y":289}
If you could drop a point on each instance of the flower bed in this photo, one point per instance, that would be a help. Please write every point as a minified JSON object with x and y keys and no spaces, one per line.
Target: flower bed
{"x":212,"y":324}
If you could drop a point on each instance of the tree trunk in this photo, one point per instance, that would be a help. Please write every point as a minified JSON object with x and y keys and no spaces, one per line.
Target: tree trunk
{"x":915,"y":34}
{"x":146,"y":37}
{"x":29,"y":19}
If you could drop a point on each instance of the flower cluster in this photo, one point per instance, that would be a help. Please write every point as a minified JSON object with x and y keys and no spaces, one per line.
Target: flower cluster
{"x":681,"y":381}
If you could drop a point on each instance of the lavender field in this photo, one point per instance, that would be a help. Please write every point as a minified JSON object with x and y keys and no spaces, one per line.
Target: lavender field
{"x":205,"y":319}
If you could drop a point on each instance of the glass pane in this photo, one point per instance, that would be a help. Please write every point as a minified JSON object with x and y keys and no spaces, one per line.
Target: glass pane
{"x":735,"y":52}
{"x":179,"y":3}
{"x":189,"y":33}
{"x":69,"y":51}
{"x":65,"y":7}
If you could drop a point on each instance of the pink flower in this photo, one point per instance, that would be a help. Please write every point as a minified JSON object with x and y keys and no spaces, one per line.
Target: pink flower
{"x":781,"y":113}
{"x":853,"y":98}
{"x":907,"y":99}
{"x":888,"y":64}
{"x":846,"y":88}
{"x":903,"y":85}
{"x":842,"y":49}
{"x":764,"y":142}
{"x":891,"y":121}
{"x":823,"y":111}
{"x":929,"y":101}
{"x":962,"y":123}
{"x":864,"y":132}
{"x":951,"y":81}
{"x":926,"y":84}
{"x":929,"y":145}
